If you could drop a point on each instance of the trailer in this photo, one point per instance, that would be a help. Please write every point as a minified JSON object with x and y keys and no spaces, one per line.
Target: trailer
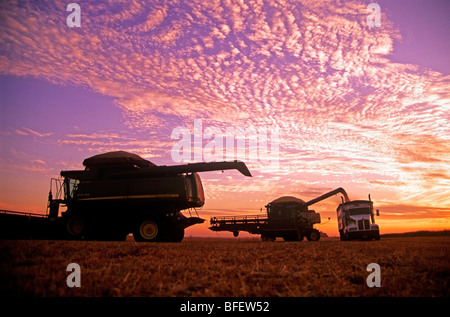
{"x":118,"y":193}
{"x":286,"y":217}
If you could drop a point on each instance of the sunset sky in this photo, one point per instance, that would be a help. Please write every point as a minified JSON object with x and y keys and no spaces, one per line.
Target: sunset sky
{"x":360,"y":107}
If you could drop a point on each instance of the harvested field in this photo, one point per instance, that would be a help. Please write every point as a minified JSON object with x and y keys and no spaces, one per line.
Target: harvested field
{"x":227,"y":267}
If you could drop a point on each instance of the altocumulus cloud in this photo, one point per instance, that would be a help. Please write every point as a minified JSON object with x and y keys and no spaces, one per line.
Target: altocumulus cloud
{"x":314,"y":69}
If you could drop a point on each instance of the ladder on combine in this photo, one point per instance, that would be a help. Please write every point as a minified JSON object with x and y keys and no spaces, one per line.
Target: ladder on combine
{"x":56,"y":186}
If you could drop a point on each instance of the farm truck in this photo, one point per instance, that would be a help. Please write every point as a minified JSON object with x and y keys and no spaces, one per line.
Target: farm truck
{"x":289,"y":218}
{"x":116,"y":194}
{"x":356,"y":220}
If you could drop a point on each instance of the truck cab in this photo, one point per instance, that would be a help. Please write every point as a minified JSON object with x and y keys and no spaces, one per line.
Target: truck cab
{"x":356,"y":220}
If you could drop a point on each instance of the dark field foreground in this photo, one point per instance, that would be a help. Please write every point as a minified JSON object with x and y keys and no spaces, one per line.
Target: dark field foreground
{"x":213,"y":267}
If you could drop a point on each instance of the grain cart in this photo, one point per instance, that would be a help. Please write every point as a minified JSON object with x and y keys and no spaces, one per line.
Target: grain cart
{"x":116,"y":194}
{"x":287,"y":217}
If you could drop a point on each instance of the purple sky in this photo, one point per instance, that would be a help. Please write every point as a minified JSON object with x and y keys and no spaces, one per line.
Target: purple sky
{"x":424,"y":26}
{"x":366,"y":109}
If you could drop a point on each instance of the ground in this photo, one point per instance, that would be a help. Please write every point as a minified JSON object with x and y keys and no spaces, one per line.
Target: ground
{"x":200,"y":267}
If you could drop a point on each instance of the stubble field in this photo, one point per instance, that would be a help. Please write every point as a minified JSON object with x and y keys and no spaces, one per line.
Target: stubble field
{"x":227,"y":267}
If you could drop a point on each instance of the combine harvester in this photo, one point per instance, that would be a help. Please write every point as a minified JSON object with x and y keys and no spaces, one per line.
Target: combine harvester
{"x":289,"y":218}
{"x":116,"y":194}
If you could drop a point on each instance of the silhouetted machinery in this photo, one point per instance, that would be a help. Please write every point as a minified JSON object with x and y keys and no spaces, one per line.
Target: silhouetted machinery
{"x":116,"y":194}
{"x":289,"y":218}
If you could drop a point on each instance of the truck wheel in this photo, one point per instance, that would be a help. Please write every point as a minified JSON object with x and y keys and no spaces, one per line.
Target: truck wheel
{"x":146,"y":231}
{"x":314,"y":235}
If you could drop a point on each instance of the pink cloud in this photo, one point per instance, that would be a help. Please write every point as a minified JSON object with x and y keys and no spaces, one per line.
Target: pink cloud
{"x":312,"y":69}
